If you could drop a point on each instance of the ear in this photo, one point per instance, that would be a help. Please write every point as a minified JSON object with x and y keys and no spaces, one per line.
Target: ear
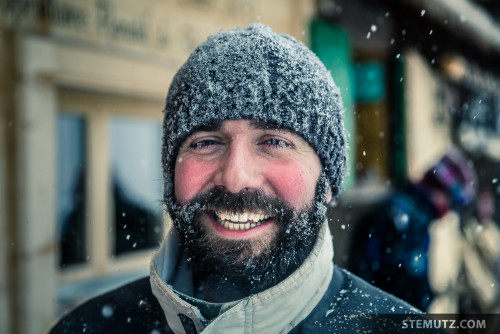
{"x":328,"y":196}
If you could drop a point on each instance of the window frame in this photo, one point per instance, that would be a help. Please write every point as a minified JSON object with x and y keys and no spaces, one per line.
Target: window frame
{"x":97,"y":109}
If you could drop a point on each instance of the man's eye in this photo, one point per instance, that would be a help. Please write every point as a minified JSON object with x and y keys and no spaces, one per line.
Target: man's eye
{"x":199,"y":145}
{"x":278,"y":143}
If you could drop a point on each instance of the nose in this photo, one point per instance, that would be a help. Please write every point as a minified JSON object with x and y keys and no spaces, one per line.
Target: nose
{"x":239,"y":168}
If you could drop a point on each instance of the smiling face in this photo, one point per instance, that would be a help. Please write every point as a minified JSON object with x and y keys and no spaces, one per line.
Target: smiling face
{"x":244,"y":155}
{"x":246,"y":193}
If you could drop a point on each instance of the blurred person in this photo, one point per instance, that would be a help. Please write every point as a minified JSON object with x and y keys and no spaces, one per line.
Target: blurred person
{"x":392,"y":247}
{"x":253,"y":151}
{"x":464,"y":261}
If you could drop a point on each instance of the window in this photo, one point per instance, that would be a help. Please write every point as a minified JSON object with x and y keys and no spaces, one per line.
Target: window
{"x":71,"y":192}
{"x":136,"y":183}
{"x":110,"y":185}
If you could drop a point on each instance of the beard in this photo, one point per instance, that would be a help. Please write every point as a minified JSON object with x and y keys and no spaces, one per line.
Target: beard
{"x":248,"y":266}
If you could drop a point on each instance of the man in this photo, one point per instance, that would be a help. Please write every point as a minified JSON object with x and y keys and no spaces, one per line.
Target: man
{"x":253,"y":150}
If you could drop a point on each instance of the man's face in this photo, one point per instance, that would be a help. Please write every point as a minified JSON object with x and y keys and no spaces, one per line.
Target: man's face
{"x":246,"y":155}
{"x":255,"y":184}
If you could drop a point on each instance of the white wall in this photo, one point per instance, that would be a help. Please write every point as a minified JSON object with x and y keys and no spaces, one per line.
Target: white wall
{"x":428,"y":126}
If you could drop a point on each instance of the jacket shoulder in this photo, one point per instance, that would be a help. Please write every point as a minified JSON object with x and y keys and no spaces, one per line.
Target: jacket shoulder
{"x":351,"y":305}
{"x":358,"y":296}
{"x":131,"y":308}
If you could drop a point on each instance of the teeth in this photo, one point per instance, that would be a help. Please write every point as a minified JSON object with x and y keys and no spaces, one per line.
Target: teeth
{"x":240,"y":221}
{"x":243,"y":217}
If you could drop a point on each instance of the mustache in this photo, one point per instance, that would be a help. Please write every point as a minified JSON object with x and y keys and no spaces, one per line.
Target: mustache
{"x":219,"y":199}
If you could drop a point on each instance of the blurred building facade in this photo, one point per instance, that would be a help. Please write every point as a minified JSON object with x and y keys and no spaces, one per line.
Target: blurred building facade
{"x":425,"y":79}
{"x":82,"y":87}
{"x":425,"y":76}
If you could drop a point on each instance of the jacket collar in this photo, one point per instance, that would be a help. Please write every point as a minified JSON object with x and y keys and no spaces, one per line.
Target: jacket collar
{"x":275,"y":310}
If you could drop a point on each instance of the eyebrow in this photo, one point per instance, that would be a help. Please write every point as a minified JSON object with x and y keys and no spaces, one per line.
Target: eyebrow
{"x":261,"y":125}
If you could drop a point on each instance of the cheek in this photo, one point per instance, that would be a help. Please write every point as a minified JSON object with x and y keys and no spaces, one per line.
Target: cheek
{"x":294,"y":184}
{"x":190,"y":178}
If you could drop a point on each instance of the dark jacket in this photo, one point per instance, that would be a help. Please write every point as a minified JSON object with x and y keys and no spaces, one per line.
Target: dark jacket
{"x":317,"y":298}
{"x":344,"y":308}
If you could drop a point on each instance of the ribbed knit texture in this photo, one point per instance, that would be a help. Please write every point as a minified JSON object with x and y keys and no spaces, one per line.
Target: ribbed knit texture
{"x":258,"y":74}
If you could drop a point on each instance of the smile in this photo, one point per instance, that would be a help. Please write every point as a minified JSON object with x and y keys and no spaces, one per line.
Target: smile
{"x":240,"y":221}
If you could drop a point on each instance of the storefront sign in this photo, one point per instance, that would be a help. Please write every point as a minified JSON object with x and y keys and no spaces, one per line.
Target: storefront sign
{"x":169,"y":26}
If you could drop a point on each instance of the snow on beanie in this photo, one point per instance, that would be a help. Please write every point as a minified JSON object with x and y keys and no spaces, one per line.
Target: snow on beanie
{"x":255,"y":73}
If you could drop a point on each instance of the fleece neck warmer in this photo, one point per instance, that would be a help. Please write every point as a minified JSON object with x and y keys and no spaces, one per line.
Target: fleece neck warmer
{"x":275,"y":310}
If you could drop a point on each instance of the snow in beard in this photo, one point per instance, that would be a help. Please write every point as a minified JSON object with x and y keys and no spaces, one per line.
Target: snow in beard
{"x":233,"y":263}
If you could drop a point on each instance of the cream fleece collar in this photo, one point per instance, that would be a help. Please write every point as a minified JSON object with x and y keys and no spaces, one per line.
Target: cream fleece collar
{"x":275,"y":310}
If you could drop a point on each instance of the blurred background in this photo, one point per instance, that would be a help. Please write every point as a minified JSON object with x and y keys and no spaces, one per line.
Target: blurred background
{"x":82,"y":88}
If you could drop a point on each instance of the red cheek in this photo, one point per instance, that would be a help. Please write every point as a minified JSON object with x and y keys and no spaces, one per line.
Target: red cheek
{"x":292,"y":185}
{"x":190,"y":179}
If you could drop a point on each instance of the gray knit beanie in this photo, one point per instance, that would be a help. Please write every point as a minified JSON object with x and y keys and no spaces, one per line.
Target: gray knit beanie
{"x":255,"y":73}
